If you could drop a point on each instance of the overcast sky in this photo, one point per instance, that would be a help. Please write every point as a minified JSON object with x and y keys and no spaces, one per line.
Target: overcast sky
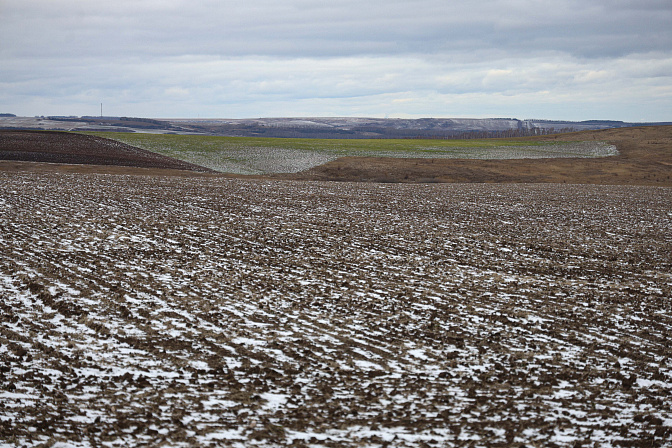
{"x":559,"y":59}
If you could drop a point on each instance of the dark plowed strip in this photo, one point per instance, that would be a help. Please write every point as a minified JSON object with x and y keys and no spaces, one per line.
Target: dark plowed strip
{"x":64,"y":147}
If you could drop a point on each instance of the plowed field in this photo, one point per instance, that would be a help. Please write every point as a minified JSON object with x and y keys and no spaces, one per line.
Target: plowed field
{"x":149,"y":311}
{"x":79,"y":149}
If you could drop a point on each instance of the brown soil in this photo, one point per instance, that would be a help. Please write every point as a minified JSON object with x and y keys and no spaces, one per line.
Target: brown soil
{"x":197,"y":312}
{"x":78,"y":149}
{"x":645,"y":159}
{"x":72,"y":168}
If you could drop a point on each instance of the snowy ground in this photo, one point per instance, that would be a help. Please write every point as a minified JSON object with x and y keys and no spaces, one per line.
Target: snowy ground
{"x":269,"y":156}
{"x":199,"y":312}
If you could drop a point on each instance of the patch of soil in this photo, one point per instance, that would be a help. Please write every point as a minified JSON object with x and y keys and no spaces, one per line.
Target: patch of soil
{"x":79,"y":149}
{"x":645,"y":158}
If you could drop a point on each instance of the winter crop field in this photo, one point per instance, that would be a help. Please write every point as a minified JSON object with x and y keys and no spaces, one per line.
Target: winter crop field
{"x":159,"y":311}
{"x":247,"y":155}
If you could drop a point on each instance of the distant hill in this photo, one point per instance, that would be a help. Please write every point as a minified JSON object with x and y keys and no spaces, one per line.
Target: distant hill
{"x":344,"y":127}
{"x":321,"y":127}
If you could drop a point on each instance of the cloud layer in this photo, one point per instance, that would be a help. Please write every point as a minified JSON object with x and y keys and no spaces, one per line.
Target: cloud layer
{"x":561,"y":59}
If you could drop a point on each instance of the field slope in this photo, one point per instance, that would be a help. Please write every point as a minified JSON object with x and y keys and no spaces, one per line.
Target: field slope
{"x":627,"y":156}
{"x":79,"y":149}
{"x":267,"y":156}
{"x":644,"y":158}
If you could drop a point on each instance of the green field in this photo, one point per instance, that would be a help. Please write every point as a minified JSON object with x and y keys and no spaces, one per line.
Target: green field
{"x":250,"y":155}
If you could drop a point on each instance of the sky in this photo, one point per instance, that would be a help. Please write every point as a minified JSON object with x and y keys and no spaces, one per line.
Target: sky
{"x":559,"y":59}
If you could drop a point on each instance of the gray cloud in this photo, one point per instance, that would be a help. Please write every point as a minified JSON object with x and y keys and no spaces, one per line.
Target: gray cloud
{"x":175,"y":57}
{"x":346,"y":28}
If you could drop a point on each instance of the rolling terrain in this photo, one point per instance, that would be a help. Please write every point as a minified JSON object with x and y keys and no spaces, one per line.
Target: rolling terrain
{"x":166,"y":305}
{"x":268,"y":156}
{"x":644,"y":157}
{"x":317,"y":127}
